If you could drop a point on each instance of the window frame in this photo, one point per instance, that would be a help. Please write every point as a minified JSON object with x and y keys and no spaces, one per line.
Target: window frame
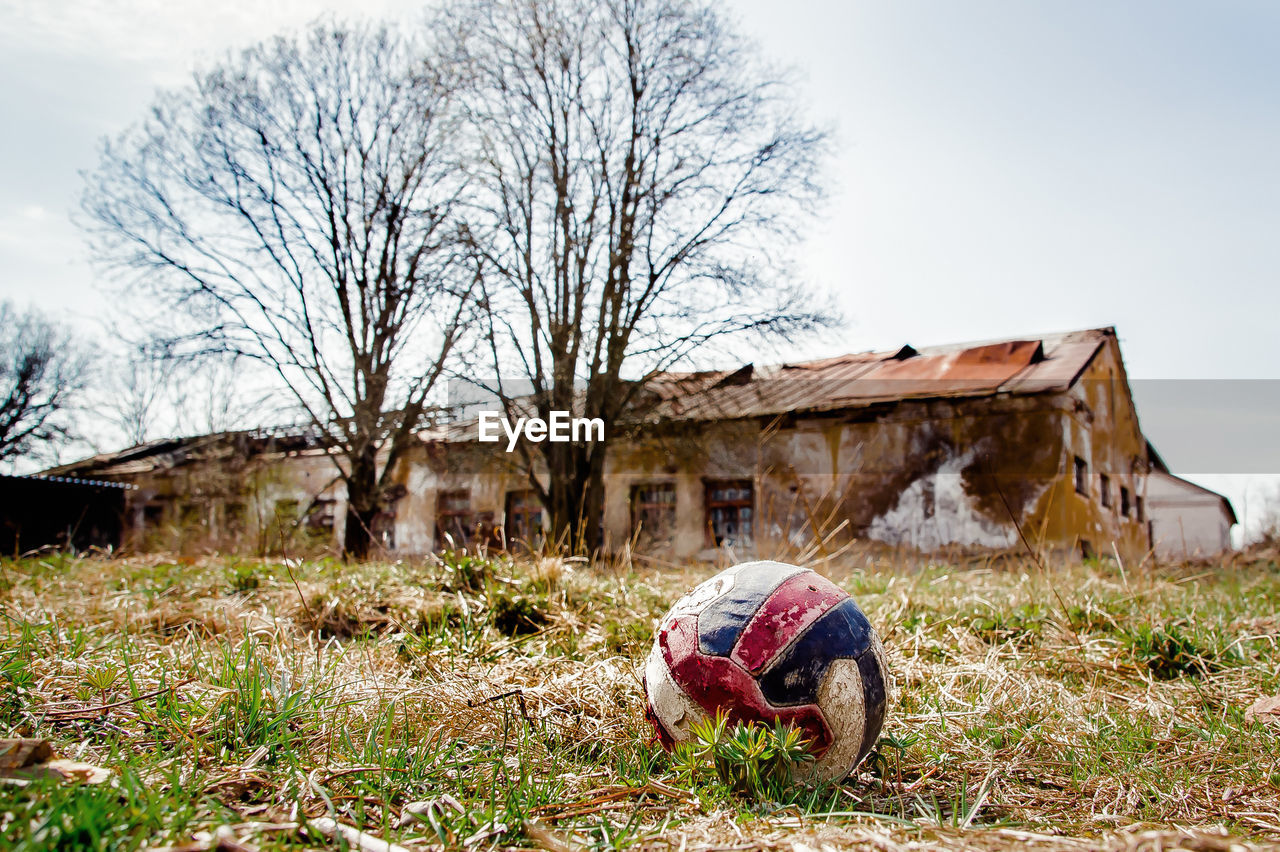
{"x":530,"y":510}
{"x":655,"y":534}
{"x":461,"y":533}
{"x":737,"y":504}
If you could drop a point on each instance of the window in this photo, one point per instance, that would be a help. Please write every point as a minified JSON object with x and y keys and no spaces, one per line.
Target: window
{"x":730,"y":511}
{"x":189,"y":516}
{"x":1141,"y":506}
{"x":1124,"y":501}
{"x":1082,"y":476}
{"x":317,"y":521}
{"x":233,"y":520}
{"x":653,"y":512}
{"x":286,"y":513}
{"x":1104,"y":485}
{"x":524,"y":516}
{"x":453,"y":518}
{"x":319,"y":517}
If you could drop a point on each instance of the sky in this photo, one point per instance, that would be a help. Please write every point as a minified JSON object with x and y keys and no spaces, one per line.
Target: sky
{"x":1001,"y":168}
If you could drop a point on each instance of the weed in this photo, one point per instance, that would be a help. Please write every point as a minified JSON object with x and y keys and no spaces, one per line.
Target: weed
{"x":518,"y":615}
{"x":1169,"y":652}
{"x":753,"y":760}
{"x":243,"y":576}
{"x":465,"y":571}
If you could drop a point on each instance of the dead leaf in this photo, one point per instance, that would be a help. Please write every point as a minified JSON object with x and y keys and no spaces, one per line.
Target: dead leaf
{"x":32,"y":758}
{"x":23,"y":752}
{"x":1265,"y":709}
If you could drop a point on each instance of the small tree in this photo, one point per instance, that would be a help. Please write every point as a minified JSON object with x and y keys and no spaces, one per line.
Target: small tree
{"x":295,"y":206}
{"x":42,"y":370}
{"x":639,"y":170}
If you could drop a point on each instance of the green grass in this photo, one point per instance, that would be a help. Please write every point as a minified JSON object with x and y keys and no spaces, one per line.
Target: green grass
{"x":477,"y":703}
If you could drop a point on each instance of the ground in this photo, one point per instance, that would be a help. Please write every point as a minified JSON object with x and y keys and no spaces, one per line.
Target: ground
{"x":481,"y":703}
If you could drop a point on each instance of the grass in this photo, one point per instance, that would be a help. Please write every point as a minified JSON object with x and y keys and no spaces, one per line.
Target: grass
{"x":472,"y":703}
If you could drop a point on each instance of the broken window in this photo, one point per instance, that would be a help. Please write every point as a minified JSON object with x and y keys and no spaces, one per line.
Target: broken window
{"x":653,"y":512}
{"x":320,"y":514}
{"x":1104,"y":485}
{"x":318,"y":522}
{"x":1124,"y":501}
{"x":1141,"y":506}
{"x":153,"y":514}
{"x":730,"y":511}
{"x":1082,"y":476}
{"x":286,"y":511}
{"x":523,"y":517}
{"x":453,"y":518}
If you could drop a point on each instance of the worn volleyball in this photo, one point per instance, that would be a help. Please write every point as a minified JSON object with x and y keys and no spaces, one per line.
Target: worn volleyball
{"x":768,"y":641}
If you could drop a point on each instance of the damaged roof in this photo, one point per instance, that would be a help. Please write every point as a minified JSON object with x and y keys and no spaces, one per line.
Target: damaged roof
{"x":1047,"y":363}
{"x":1015,"y":366}
{"x":166,"y":453}
{"x":1018,"y":366}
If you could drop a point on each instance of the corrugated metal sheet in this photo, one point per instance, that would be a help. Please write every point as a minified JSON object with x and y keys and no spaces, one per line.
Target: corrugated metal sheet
{"x":1019,"y":366}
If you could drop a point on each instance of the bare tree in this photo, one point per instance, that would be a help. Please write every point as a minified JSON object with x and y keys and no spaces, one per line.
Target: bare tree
{"x":137,"y":395}
{"x":147,"y":394}
{"x":295,"y":206}
{"x":639,"y":170}
{"x":42,"y":370}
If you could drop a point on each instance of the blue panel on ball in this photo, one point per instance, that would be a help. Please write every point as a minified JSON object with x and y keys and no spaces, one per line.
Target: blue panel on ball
{"x":874,"y":699}
{"x":721,"y":623}
{"x":843,"y":632}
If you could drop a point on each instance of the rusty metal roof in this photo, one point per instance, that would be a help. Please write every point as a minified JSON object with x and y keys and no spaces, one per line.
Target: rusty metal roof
{"x":1016,"y":366}
{"x":964,"y":370}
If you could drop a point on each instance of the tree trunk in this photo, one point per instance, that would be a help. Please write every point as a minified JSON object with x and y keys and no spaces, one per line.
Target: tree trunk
{"x":594,"y":514}
{"x":362,"y":506}
{"x":575,"y":496}
{"x":565,"y":494}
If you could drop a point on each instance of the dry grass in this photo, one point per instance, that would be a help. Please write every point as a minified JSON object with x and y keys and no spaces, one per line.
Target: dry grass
{"x":475,"y":703}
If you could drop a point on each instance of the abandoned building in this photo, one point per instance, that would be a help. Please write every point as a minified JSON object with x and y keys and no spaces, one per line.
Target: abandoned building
{"x":1188,"y":521}
{"x":998,"y":445}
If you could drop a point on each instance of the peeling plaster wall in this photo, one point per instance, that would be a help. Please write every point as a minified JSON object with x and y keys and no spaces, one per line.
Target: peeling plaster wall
{"x":935,"y":511}
{"x":1102,"y":429}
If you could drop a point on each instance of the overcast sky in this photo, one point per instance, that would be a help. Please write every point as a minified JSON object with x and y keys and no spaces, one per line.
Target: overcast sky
{"x":1002,"y":168}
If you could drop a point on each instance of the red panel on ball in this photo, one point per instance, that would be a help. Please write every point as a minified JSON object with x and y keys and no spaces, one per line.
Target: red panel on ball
{"x":793,"y":606}
{"x":718,"y":682}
